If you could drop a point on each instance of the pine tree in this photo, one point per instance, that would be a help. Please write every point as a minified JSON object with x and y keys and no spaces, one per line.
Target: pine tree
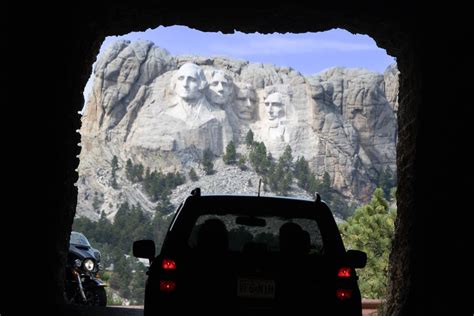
{"x":339,"y":206}
{"x":370,"y":229}
{"x":164,"y":206}
{"x":207,"y":163}
{"x":230,"y":156}
{"x":279,"y":179}
{"x":280,"y":175}
{"x":129,"y":169}
{"x":259,"y":159}
{"x":193,"y":175}
{"x":160,"y":225}
{"x":97,"y":202}
{"x":393,"y":194}
{"x":325,"y":187}
{"x":137,"y":283}
{"x":313,"y":185}
{"x":249,"y":138}
{"x":138,"y":171}
{"x":241,"y":163}
{"x":114,"y":165}
{"x":386,"y":181}
{"x":286,"y":159}
{"x":306,"y":178}
{"x":302,"y":172}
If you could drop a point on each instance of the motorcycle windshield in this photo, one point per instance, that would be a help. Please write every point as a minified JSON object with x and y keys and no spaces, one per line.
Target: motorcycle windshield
{"x":79,"y":239}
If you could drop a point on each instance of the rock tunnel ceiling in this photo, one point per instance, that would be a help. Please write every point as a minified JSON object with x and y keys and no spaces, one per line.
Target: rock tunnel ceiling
{"x":412,"y":37}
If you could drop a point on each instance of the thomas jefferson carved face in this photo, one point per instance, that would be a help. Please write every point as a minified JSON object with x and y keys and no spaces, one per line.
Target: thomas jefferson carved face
{"x":274,"y":106}
{"x":245,"y":102}
{"x":190,"y":82}
{"x":220,"y":88}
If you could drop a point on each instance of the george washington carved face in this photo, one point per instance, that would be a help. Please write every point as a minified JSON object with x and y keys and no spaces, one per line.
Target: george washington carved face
{"x":190,"y":82}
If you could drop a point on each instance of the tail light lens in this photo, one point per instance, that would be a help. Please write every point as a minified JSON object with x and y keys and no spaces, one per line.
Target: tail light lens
{"x":344,"y":272}
{"x":343,"y":294}
{"x":167,"y":286}
{"x":168,"y":264}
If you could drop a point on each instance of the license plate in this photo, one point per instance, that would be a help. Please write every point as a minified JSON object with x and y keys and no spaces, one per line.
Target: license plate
{"x":254,"y":288}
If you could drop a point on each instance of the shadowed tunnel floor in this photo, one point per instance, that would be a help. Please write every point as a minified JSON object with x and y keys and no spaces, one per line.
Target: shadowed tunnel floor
{"x":74,"y":310}
{"x":369,"y":306}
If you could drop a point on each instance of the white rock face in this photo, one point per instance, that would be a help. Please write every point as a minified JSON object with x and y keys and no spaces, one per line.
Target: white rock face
{"x":391,"y":85}
{"x":164,"y":111}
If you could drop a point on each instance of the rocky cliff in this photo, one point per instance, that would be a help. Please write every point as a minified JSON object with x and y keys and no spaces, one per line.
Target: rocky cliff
{"x":163,"y":111}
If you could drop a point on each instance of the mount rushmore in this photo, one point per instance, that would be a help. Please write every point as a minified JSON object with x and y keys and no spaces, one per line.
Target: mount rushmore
{"x":163,"y":111}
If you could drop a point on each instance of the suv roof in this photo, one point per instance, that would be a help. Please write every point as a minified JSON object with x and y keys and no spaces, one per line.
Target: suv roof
{"x":260,"y":205}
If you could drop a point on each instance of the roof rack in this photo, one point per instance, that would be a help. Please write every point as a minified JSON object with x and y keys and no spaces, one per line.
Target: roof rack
{"x":318,"y":198}
{"x":196,"y":192}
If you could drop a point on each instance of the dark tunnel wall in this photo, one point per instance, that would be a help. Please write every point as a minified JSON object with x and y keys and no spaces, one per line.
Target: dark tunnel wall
{"x":431,"y":245}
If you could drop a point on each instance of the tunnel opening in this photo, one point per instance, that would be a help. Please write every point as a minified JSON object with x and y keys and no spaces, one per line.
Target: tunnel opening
{"x":120,"y":177}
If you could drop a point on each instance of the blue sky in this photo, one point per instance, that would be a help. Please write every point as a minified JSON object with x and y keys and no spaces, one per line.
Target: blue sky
{"x":307,"y":53}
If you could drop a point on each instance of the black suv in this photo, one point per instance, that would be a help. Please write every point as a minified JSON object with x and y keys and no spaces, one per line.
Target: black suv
{"x":232,"y":254}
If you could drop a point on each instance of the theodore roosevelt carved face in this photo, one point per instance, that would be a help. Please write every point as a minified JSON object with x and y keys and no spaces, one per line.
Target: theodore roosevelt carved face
{"x":245,"y":101}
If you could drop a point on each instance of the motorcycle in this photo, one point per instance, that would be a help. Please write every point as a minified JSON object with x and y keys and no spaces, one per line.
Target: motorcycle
{"x":83,"y":284}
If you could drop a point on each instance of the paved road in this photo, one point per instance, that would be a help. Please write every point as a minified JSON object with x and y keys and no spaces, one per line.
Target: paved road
{"x":370,"y":307}
{"x":70,"y":310}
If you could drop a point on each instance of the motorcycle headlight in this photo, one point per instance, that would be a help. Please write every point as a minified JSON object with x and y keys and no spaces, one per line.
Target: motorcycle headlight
{"x":89,"y":264}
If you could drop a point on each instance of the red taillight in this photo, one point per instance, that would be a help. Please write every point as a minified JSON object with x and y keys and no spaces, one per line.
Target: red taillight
{"x":344,"y":272}
{"x":168,"y":264}
{"x":167,"y":286}
{"x":343,"y":294}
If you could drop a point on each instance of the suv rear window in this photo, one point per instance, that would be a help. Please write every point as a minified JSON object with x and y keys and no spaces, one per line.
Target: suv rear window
{"x":262,"y":234}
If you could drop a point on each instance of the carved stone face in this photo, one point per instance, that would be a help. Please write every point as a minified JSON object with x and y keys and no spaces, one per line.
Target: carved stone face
{"x":189,"y":82}
{"x":274,"y":106}
{"x":220,"y":88}
{"x":245,"y":103}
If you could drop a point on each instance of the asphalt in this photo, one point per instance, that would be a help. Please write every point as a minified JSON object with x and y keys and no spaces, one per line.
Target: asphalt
{"x":74,"y":310}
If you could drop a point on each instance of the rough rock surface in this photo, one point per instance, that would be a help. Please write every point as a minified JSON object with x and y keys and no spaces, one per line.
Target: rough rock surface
{"x":141,"y":107}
